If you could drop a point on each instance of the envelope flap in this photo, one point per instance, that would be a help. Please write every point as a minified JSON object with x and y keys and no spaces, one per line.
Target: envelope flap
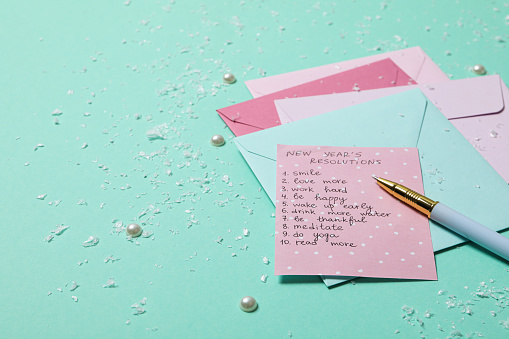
{"x":410,"y":60}
{"x":467,"y":97}
{"x":255,"y":117}
{"x":415,"y":62}
{"x":384,"y":123}
{"x":261,"y":112}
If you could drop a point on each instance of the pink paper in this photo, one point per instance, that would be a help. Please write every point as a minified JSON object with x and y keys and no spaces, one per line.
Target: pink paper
{"x":332,"y":218}
{"x":260,"y":113}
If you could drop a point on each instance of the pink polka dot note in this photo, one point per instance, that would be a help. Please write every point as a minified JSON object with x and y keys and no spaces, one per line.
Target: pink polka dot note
{"x":332,"y":218}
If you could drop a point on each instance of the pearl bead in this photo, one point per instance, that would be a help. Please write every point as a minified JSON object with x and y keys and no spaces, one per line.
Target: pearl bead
{"x":217,"y":140}
{"x":479,"y":69}
{"x":248,"y":304}
{"x":133,"y":230}
{"x":229,"y":78}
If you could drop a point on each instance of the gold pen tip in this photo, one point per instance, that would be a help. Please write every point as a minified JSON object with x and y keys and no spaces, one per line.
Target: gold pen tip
{"x":375,"y":177}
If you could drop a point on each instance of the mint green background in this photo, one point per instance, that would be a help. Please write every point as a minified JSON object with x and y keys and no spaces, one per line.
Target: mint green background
{"x":191,"y":44}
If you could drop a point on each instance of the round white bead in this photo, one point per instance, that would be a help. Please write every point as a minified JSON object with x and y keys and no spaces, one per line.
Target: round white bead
{"x":229,"y":78}
{"x":248,"y":304}
{"x":479,"y":69}
{"x":217,"y":140}
{"x":133,"y":230}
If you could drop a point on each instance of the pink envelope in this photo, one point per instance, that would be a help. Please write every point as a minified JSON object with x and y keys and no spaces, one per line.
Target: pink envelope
{"x":413,"y":61}
{"x":260,"y":113}
{"x":477,"y":107}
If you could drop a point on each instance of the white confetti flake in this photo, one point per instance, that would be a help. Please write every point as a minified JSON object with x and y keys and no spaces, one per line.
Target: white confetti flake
{"x":110,"y":259}
{"x":147,"y":234}
{"x":74,"y":286}
{"x":75,"y":298}
{"x":110,"y":283}
{"x":59,"y":229}
{"x":139,"y":310}
{"x":266,"y":260}
{"x":36,"y":147}
{"x":264,"y":278}
{"x":91,"y":241}
{"x":137,"y":307}
{"x":56,"y":112}
{"x":41,"y":196}
{"x":159,"y":132}
{"x":82,"y":202}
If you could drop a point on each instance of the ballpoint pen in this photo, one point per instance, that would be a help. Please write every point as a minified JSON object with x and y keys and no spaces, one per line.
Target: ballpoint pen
{"x":446,"y":216}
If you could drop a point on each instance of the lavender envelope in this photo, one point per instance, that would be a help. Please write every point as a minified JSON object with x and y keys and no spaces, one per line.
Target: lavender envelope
{"x":413,"y":61}
{"x":475,"y":106}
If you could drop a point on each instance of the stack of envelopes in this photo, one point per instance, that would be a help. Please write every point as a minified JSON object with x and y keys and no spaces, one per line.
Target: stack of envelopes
{"x":394,"y":99}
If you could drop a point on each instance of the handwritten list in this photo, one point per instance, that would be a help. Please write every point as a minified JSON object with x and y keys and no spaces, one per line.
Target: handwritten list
{"x":333,"y":219}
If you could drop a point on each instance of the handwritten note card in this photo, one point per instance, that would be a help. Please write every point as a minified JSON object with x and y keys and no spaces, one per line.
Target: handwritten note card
{"x":332,"y":218}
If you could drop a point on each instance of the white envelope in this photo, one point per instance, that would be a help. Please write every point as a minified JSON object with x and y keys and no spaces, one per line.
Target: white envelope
{"x":417,"y":64}
{"x":475,"y":106}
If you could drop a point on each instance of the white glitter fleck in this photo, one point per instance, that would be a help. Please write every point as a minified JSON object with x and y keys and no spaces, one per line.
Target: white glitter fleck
{"x":38,"y":146}
{"x":158,"y":132}
{"x":111,"y":258}
{"x":91,"y":241}
{"x":110,"y":283}
{"x":138,"y":310}
{"x":59,"y":229}
{"x":82,"y":202}
{"x":74,"y":286}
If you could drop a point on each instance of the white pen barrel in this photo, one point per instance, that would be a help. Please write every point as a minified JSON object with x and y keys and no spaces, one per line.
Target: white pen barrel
{"x":471,"y":230}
